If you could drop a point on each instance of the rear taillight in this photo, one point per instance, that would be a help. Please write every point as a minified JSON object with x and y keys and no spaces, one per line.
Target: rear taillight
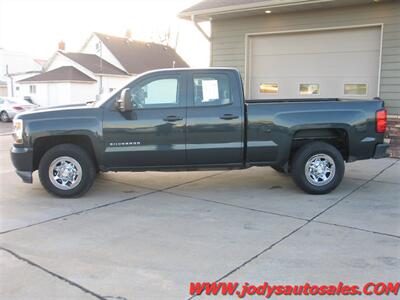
{"x":18,"y":108}
{"x":381,"y":120}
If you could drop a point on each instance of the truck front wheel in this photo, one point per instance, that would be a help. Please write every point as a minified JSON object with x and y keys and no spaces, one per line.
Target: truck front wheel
{"x":67,"y":171}
{"x":317,"y":168}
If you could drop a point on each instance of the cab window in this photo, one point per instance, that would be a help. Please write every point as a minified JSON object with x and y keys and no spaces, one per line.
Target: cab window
{"x":211,"y":89}
{"x":161,"y":92}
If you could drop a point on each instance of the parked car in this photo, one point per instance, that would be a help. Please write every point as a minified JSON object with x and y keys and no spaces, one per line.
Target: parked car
{"x":193,"y":119}
{"x":29,"y":99}
{"x":9,"y":107}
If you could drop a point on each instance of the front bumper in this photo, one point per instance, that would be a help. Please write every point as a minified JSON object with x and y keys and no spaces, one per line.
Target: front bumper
{"x":22,"y":159}
{"x":11,"y":114}
{"x":380,"y":150}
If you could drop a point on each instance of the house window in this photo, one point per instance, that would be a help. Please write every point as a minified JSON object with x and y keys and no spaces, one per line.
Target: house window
{"x":306,"y":89}
{"x":32,"y":89}
{"x":355,"y":89}
{"x":269,"y":88}
{"x":17,"y":88}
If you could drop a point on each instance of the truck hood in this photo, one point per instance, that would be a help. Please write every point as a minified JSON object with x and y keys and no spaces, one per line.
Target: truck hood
{"x":62,"y":111}
{"x":60,"y":107}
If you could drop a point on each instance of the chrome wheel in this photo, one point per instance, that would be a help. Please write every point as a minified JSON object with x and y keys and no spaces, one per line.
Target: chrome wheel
{"x":320,"y":169}
{"x":65,"y":173}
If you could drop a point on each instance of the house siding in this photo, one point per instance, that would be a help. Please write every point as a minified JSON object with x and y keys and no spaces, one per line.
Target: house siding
{"x":3,"y":90}
{"x":228,"y":37}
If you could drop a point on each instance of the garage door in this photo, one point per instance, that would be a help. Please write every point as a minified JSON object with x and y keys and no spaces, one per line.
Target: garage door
{"x":323,"y":64}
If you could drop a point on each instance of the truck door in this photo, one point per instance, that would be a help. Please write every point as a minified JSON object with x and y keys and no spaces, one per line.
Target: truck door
{"x":214,"y":119}
{"x":153,"y":134}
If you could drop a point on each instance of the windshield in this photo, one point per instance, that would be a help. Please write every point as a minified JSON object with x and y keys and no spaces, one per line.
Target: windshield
{"x":104,"y":97}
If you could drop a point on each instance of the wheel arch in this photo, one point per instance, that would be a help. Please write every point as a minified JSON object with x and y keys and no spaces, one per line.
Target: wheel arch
{"x":337,"y":137}
{"x":43,"y":144}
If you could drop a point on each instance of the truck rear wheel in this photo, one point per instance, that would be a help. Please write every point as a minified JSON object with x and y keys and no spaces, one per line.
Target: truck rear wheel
{"x":318,"y":168}
{"x":67,"y":171}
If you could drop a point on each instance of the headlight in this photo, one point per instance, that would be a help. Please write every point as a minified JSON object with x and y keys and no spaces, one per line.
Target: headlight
{"x":18,"y":131}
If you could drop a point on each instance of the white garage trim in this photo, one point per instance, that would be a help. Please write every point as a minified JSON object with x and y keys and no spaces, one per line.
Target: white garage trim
{"x":247,"y":68}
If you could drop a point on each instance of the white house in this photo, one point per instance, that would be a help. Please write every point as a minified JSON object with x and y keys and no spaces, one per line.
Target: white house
{"x":3,"y":88}
{"x":103,"y":64}
{"x":72,"y":78}
{"x":14,"y":66}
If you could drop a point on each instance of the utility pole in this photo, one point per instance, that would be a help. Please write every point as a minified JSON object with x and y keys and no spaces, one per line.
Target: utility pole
{"x":100,"y":50}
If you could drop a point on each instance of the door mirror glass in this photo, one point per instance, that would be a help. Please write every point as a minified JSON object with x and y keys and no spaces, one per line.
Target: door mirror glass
{"x":124,"y":102}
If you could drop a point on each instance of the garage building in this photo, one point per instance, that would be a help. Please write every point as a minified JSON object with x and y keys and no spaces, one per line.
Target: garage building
{"x":315,"y":48}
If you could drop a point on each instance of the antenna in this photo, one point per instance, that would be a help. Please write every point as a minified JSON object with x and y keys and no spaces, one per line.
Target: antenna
{"x":176,"y":40}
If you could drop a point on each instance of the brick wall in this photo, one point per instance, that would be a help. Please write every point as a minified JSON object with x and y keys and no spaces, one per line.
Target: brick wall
{"x":392,"y":135}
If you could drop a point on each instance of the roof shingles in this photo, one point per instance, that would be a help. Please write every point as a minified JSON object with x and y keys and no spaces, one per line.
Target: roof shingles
{"x":138,"y":57}
{"x":62,"y":74}
{"x":94,"y":63}
{"x":210,"y":4}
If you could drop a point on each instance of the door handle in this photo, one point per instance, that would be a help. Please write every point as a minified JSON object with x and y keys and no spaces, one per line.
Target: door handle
{"x":228,"y":117}
{"x":172,"y":118}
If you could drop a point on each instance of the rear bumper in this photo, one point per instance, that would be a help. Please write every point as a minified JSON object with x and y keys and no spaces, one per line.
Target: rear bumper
{"x":22,"y":159}
{"x":380,"y":150}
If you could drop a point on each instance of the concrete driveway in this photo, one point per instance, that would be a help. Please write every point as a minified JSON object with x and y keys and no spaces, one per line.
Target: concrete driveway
{"x":6,"y":127}
{"x":148,"y":235}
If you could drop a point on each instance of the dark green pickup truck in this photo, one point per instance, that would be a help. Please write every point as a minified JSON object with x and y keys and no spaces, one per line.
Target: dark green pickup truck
{"x":192,"y":119}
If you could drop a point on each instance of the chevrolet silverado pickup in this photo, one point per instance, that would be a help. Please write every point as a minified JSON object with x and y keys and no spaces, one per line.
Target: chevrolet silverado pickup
{"x":193,"y":119}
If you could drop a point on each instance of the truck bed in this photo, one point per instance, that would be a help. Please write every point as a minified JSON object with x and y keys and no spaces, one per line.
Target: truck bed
{"x":272,"y":124}
{"x":298,"y":100}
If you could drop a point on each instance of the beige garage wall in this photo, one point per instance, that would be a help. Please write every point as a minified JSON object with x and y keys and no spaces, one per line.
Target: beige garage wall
{"x":328,"y":58}
{"x":228,"y":37}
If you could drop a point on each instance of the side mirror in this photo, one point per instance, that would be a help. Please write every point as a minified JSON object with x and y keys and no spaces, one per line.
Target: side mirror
{"x":124,"y":103}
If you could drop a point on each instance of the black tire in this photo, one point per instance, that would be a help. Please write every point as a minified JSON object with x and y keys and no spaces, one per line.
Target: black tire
{"x":4,"y":116}
{"x":300,"y":160}
{"x":88,"y":170}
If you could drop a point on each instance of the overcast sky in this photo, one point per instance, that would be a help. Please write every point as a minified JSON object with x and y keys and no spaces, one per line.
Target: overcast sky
{"x":36,"y":26}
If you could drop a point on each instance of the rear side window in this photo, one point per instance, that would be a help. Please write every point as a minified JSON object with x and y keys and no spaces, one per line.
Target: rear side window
{"x":211,"y":89}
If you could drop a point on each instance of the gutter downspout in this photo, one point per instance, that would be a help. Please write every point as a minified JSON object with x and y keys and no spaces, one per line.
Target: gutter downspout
{"x":199,"y":28}
{"x":11,"y":82}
